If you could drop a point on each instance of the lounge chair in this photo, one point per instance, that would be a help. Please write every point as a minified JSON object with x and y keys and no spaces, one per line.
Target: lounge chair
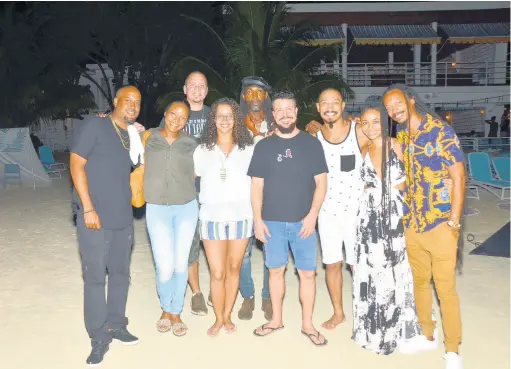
{"x":481,"y":175}
{"x":46,"y":155}
{"x":11,"y":171}
{"x":501,"y":165}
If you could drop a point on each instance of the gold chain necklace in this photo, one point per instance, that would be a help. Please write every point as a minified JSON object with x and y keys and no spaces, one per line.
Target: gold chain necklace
{"x":125,"y":141}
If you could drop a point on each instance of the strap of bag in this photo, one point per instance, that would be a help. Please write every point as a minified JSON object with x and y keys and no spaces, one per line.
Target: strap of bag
{"x":145,"y":137}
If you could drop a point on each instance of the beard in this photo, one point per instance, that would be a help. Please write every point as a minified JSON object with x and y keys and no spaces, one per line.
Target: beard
{"x":255,"y":108}
{"x":129,"y":121}
{"x":286,"y":130}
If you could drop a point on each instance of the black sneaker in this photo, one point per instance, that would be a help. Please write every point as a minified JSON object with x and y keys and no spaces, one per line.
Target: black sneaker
{"x":123,"y":336}
{"x":99,"y":349}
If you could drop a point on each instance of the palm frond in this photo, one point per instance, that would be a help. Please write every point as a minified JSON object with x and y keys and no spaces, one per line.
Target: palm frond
{"x":209,"y":28}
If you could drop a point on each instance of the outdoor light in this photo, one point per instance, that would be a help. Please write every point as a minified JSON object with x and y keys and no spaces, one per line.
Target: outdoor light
{"x":481,"y":111}
{"x":448,"y":117}
{"x":453,"y":63}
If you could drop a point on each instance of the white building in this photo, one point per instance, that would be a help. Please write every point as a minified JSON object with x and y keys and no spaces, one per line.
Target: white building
{"x":454,"y":54}
{"x":58,"y":133}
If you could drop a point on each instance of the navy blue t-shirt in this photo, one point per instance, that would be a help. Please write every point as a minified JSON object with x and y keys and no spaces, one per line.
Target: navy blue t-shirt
{"x":108,"y":171}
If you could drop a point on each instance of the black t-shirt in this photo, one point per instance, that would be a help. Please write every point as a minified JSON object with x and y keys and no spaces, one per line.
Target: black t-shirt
{"x":288,"y":167}
{"x":108,"y":171}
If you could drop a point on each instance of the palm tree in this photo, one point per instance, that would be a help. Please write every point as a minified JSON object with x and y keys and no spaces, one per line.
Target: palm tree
{"x":257,"y":42}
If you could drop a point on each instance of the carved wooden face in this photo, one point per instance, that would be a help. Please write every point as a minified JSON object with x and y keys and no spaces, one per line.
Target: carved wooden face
{"x":255,"y":96}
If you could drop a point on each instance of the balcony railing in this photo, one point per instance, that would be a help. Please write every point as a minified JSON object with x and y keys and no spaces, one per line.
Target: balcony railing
{"x":420,"y":74}
{"x":486,"y":144}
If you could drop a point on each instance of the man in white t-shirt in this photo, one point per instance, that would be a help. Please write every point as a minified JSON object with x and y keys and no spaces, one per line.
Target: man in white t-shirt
{"x":342,"y":141}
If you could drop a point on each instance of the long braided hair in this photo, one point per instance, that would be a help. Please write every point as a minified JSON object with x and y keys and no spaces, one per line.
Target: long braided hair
{"x":386,"y":203}
{"x":423,"y":109}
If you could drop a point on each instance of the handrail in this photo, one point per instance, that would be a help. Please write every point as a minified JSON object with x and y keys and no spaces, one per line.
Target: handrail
{"x":447,"y":73}
{"x":357,"y":107}
{"x":486,"y":144}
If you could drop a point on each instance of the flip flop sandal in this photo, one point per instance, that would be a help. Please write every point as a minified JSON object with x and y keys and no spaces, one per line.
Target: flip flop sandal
{"x":179,"y":329}
{"x":163,"y":325}
{"x":311,"y":335}
{"x":265,"y":327}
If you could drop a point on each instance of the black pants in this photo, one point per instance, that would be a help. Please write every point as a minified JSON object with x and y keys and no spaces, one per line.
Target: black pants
{"x":105,"y":251}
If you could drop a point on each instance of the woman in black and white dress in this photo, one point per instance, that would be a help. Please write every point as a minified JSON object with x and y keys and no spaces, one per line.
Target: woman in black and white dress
{"x":383,"y":301}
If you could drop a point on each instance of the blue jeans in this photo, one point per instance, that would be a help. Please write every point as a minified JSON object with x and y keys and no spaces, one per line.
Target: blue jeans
{"x":285,"y":235}
{"x":246,"y":282}
{"x":171,"y":229}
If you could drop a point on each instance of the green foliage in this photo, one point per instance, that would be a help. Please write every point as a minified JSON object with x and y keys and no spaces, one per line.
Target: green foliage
{"x":35,"y":83}
{"x":257,"y":42}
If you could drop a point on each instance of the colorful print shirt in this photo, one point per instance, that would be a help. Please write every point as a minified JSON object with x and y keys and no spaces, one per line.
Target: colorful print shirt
{"x":427,"y":155}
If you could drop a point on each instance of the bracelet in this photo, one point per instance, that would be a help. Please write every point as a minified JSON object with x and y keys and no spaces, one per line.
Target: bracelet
{"x":89,"y":211}
{"x":451,"y":224}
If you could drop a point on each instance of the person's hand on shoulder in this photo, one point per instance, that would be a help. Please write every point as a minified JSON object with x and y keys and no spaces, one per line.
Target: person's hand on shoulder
{"x":313,"y":127}
{"x":140,"y":128}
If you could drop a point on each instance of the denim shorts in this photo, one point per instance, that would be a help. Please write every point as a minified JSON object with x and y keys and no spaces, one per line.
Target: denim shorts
{"x":285,"y":235}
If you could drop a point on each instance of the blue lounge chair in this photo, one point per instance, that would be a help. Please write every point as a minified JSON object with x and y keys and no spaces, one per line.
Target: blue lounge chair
{"x":481,"y":175}
{"x":501,"y":165}
{"x":46,"y":156}
{"x":11,"y":171}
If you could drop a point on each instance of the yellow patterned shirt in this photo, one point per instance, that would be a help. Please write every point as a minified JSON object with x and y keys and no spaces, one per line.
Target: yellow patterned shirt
{"x":427,"y":155}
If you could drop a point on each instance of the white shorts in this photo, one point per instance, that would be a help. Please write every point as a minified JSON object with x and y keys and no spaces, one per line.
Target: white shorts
{"x":336,"y":228}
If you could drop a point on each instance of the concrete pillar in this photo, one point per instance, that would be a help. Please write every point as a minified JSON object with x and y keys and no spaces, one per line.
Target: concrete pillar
{"x":322,"y":67}
{"x":391,"y":62}
{"x":434,"y":25}
{"x":417,"y":63}
{"x":499,"y":70}
{"x":345,"y":53}
{"x":337,"y":60}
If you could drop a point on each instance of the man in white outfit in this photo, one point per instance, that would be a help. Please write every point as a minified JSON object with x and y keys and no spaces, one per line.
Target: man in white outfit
{"x":342,"y":141}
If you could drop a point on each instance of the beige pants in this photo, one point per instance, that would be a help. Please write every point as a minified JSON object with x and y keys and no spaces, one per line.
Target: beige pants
{"x":432,"y":254}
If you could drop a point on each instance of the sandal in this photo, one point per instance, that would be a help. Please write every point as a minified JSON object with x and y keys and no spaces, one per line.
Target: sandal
{"x":265,"y":326}
{"x":163,"y":325}
{"x":176,"y":327}
{"x":311,"y":335}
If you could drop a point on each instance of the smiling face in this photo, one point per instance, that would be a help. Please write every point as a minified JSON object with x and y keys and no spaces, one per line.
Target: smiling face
{"x":330,"y":106}
{"x":285,"y":113}
{"x":127,"y":104}
{"x":371,"y":123}
{"x":196,"y":88}
{"x":176,"y":117}
{"x":398,"y":106}
{"x":224,"y":118}
{"x":255,"y":96}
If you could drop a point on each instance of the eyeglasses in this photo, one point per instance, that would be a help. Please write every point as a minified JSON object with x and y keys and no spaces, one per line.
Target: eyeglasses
{"x":224,"y":117}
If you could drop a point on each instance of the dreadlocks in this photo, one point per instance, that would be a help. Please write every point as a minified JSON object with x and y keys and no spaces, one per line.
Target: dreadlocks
{"x":413,"y":101}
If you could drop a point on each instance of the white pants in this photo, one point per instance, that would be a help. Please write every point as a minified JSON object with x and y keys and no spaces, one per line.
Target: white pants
{"x":336,"y":228}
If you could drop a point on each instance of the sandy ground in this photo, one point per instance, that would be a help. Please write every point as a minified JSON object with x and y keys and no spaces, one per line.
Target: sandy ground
{"x":41,"y":321}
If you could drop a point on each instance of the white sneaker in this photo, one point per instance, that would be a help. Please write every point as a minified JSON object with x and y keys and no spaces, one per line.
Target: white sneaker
{"x":452,"y":361}
{"x":417,"y":344}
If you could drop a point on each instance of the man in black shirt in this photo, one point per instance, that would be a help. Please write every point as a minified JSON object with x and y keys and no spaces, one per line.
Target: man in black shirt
{"x":100,"y":167}
{"x":289,"y":180}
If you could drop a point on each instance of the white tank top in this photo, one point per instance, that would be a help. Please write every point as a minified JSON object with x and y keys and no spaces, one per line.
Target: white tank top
{"x":345,"y":183}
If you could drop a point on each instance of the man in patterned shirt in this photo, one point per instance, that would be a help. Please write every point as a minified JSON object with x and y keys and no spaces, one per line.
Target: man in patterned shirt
{"x":432,"y":213}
